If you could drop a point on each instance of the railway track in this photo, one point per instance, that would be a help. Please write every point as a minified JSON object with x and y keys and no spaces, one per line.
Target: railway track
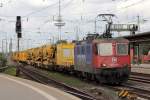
{"x":3,"y":68}
{"x":138,"y":84}
{"x":42,"y":78}
{"x":140,"y":77}
{"x":141,"y":93}
{"x":141,"y":90}
{"x":138,"y":90}
{"x":144,"y":79}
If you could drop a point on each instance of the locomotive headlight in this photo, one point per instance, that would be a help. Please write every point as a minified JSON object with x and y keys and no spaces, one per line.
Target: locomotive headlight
{"x":114,"y":59}
{"x":104,"y":65}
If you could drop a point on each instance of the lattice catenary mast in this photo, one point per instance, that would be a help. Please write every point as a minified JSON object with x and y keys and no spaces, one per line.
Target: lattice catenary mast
{"x":59,"y":23}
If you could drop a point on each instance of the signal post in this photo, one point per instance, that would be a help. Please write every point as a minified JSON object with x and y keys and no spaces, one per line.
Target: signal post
{"x":19,"y":35}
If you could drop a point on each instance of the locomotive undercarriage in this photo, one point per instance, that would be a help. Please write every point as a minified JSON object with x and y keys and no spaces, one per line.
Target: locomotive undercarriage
{"x":113,"y":75}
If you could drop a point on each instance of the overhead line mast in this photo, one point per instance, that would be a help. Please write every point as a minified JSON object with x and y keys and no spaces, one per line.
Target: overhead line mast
{"x":59,"y":22}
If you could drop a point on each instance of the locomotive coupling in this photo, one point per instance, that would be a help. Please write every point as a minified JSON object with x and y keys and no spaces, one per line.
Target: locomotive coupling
{"x":127,"y":94}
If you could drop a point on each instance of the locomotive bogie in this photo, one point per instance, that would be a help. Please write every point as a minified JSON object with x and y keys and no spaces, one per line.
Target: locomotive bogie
{"x":113,"y":75}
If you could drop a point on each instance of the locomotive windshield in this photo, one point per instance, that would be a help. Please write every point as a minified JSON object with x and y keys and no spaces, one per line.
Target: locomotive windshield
{"x":105,"y":49}
{"x":122,"y":49}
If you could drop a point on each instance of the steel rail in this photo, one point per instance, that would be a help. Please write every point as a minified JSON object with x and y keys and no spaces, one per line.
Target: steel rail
{"x":139,"y":91}
{"x":140,"y":77}
{"x":42,"y":78}
{"x":143,"y":80}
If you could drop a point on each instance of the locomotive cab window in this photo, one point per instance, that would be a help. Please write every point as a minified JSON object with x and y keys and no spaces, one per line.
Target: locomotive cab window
{"x":122,"y":49}
{"x":105,"y":49}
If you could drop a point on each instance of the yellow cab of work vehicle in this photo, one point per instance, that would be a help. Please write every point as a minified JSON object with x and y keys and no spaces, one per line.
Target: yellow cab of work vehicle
{"x":65,"y":55}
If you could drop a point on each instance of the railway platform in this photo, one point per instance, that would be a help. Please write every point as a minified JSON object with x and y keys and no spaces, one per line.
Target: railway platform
{"x":141,"y":68}
{"x":13,"y":88}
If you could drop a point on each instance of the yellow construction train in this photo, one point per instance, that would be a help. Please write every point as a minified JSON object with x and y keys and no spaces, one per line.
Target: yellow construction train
{"x":94,"y":59}
{"x":55,"y":56}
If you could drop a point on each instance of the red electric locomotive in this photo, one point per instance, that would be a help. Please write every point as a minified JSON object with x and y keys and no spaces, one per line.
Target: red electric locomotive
{"x":106,"y":60}
{"x":103,"y":58}
{"x":111,"y":60}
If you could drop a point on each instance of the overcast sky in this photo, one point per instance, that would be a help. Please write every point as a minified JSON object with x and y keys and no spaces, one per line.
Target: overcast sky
{"x":79,"y":15}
